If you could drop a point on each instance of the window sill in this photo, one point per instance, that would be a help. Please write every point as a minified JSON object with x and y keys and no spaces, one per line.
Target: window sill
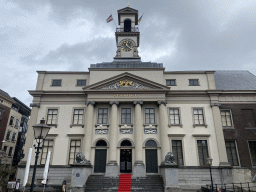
{"x":125,"y":125}
{"x":193,"y":85}
{"x":53,"y":125}
{"x":55,"y":86}
{"x":150,"y":125}
{"x":76,"y":125}
{"x":200,"y":125}
{"x":101,"y":125}
{"x":175,"y":125}
{"x":228,"y":127}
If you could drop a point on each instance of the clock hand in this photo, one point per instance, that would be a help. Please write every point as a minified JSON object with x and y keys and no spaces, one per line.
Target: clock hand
{"x":127,"y":45}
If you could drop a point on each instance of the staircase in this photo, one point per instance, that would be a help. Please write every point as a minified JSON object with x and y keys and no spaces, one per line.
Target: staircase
{"x":99,"y":183}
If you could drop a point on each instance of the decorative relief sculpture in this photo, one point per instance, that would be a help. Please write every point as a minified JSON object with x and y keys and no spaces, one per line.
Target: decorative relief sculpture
{"x":126,"y":84}
{"x":126,"y":131}
{"x":150,"y":131}
{"x":80,"y":159}
{"x":101,"y":131}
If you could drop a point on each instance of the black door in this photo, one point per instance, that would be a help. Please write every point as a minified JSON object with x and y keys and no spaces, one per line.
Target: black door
{"x":151,"y":161}
{"x":126,"y":161}
{"x":100,"y":160}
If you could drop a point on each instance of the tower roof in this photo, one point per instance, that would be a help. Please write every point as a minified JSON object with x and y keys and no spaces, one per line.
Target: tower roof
{"x":128,"y":11}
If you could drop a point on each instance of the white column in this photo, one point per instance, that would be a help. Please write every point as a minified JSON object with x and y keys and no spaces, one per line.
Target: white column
{"x":163,"y":129}
{"x":88,"y":130}
{"x":219,"y":135}
{"x":113,"y":133}
{"x":138,"y":133}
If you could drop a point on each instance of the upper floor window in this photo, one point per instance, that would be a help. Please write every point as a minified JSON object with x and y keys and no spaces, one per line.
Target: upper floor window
{"x":78,"y":116}
{"x":1,"y":113}
{"x":174,"y":116}
{"x":5,"y":148}
{"x":193,"y":82}
{"x":13,"y":136}
{"x":81,"y":82}
{"x":171,"y":82}
{"x":8,"y":135}
{"x":17,"y":123}
{"x":103,"y":116}
{"x":10,"y":151}
{"x":248,"y":117}
{"x":202,"y":152}
{"x":252,"y":147}
{"x":52,"y":116}
{"x":127,"y":25}
{"x":126,"y":116}
{"x":47,"y":146}
{"x":198,"y":116}
{"x":11,"y":120}
{"x":56,"y":82}
{"x":149,"y":116}
{"x":226,"y":118}
{"x":232,"y":153}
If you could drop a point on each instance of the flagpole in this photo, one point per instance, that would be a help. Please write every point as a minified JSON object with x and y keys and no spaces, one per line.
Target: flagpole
{"x":114,"y":20}
{"x":141,"y":18}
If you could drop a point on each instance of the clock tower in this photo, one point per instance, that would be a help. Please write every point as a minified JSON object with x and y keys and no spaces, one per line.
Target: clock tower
{"x":128,"y":35}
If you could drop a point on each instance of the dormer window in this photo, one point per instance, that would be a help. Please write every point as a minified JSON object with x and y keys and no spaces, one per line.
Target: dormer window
{"x":127,"y":25}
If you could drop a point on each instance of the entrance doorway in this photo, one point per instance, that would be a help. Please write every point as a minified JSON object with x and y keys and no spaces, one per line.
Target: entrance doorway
{"x":151,"y":157}
{"x":126,"y":157}
{"x":100,"y":157}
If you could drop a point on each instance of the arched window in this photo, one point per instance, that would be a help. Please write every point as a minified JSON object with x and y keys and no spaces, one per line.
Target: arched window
{"x":127,"y":25}
{"x":101,"y":143}
{"x":126,"y":143}
{"x":151,"y":143}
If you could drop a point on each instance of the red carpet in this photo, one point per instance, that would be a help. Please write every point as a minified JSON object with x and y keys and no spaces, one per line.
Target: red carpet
{"x":124,"y":183}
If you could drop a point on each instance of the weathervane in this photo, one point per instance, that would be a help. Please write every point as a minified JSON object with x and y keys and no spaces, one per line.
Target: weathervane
{"x":127,"y":4}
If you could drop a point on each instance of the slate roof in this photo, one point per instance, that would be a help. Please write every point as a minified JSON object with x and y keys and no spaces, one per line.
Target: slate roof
{"x":127,"y":64}
{"x":235,"y":80}
{"x":3,"y":93}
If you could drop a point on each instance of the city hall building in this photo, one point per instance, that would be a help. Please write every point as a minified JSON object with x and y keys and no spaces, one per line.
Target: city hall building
{"x":126,"y":115}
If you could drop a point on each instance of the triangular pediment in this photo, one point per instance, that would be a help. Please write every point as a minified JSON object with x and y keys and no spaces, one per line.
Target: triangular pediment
{"x":128,"y":82}
{"x":127,"y":10}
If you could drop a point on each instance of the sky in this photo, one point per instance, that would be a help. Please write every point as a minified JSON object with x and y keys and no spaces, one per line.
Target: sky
{"x":69,"y":35}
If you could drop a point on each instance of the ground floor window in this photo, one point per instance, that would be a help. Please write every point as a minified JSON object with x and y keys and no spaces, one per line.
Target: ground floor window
{"x":47,"y":146}
{"x":202,"y":152}
{"x":75,"y":147}
{"x":177,"y":151}
{"x":252,"y":147}
{"x":232,"y":153}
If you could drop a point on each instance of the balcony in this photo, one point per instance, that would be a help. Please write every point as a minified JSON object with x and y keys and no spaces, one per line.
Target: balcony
{"x":134,"y":29}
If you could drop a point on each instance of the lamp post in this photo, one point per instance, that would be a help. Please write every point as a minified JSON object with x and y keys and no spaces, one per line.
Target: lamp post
{"x":40,"y":132}
{"x":209,"y":162}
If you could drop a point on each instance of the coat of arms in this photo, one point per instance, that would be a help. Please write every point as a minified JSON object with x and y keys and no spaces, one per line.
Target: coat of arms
{"x":126,"y":83}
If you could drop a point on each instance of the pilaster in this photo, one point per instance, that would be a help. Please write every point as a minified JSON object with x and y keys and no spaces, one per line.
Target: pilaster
{"x":219,"y":134}
{"x":88,"y":130}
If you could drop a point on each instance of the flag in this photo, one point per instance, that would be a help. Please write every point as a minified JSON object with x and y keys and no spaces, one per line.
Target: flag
{"x":140,"y":18}
{"x":110,"y":18}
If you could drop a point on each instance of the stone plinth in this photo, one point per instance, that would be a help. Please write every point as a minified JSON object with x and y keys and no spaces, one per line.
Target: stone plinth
{"x":112,"y":169}
{"x":80,"y":174}
{"x":170,"y":176}
{"x":139,"y":170}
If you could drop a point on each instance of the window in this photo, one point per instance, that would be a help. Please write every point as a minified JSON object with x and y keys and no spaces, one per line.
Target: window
{"x":252,"y":147}
{"x":17,"y":123}
{"x":1,"y":113}
{"x":202,"y":152}
{"x":177,"y":151}
{"x":75,"y":147}
{"x":151,"y":143}
{"x":10,"y":151}
{"x":8,"y":135}
{"x":174,"y":116}
{"x":248,"y":118}
{"x":150,"y":116}
{"x":13,"y":136}
{"x":103,"y":116}
{"x":52,"y":116}
{"x":171,"y":82}
{"x":56,"y":82}
{"x":11,"y":120}
{"x":5,"y":148}
{"x":193,"y":82}
{"x":47,"y":146}
{"x":126,"y":116}
{"x":226,"y":118}
{"x":198,"y":116}
{"x":81,"y":82}
{"x":231,"y":153}
{"x":78,"y":116}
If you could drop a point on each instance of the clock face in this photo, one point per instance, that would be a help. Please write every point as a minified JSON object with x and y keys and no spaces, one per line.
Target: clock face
{"x":127,"y":46}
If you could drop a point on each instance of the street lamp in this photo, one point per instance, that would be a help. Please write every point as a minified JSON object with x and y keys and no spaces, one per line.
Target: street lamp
{"x":40,"y":132}
{"x":209,"y":162}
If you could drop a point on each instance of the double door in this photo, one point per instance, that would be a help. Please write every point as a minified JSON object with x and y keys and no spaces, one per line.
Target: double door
{"x":126,"y":160}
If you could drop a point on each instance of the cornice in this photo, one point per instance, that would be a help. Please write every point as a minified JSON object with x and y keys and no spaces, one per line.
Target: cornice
{"x":189,"y":72}
{"x":126,"y":69}
{"x":63,"y":72}
{"x":42,"y":92}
